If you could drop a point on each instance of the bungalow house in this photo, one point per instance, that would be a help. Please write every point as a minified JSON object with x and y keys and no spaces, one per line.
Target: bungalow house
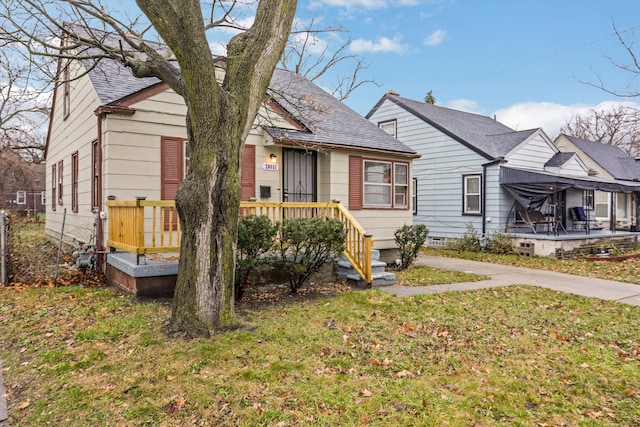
{"x":114,"y":136}
{"x":619,"y":209}
{"x":476,"y":171}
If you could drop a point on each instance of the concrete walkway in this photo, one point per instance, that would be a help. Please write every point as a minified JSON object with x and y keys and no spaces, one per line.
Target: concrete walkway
{"x":505,"y":275}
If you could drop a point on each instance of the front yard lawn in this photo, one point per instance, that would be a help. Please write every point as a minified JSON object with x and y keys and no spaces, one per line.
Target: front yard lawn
{"x":507,"y":356}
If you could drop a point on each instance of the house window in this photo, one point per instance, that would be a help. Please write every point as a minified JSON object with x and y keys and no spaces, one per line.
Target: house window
{"x":54,"y":184}
{"x":389,"y":127}
{"x":21,"y":197}
{"x":43,"y":198}
{"x":622,"y":206}
{"x":414,"y":196}
{"x":377,"y":183}
{"x":602,"y":204}
{"x":60,"y":169}
{"x":386,"y":184}
{"x":95,"y":175}
{"x":74,"y":182}
{"x":472,"y":194}
{"x":401,"y":185}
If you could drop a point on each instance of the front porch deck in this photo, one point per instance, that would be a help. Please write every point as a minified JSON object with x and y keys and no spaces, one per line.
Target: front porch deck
{"x":572,"y":243}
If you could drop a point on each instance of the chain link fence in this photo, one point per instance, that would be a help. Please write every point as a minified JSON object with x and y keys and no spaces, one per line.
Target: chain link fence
{"x":31,"y":257}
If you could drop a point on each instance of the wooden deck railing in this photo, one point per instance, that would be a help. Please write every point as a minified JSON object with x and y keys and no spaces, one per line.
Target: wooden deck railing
{"x":152,"y":226}
{"x":143,"y":226}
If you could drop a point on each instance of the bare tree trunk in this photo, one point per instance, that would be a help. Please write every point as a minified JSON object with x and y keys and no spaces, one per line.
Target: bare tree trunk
{"x":218,"y":121}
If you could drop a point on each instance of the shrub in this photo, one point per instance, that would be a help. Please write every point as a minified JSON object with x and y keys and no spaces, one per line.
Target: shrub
{"x":499,"y":243}
{"x":410,"y":239}
{"x":255,"y":238}
{"x":469,"y":242}
{"x":307,"y":244}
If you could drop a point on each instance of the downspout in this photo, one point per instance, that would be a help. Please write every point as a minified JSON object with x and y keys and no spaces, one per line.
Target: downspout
{"x":101,"y":112}
{"x":101,"y":260}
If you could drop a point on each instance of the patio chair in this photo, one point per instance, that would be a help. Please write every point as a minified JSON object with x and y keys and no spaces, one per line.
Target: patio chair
{"x":579,"y":217}
{"x":533,"y":218}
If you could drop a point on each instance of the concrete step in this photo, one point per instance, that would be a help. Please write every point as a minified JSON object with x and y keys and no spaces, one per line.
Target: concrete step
{"x":345,"y":268}
{"x":383,"y":279}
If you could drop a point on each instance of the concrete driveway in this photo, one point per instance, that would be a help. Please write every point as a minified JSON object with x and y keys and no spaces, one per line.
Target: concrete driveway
{"x":505,"y":275}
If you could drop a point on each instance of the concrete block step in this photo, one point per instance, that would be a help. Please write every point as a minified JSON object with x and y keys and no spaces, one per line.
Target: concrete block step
{"x":384,"y":279}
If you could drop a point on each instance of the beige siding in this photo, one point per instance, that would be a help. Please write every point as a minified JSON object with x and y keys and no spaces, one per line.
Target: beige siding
{"x":75,"y":133}
{"x":565,"y":145}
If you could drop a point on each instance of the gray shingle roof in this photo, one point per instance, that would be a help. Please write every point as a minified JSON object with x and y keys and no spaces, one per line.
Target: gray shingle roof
{"x":329,"y":121}
{"x":559,"y":159}
{"x":610,"y":158}
{"x":483,"y":134}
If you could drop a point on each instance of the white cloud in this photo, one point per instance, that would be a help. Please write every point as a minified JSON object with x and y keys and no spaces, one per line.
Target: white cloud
{"x":436,"y":38}
{"x":547,"y":115}
{"x":360,"y":4}
{"x":218,"y":48}
{"x":466,"y":105}
{"x":382,"y":44}
{"x":314,"y":44}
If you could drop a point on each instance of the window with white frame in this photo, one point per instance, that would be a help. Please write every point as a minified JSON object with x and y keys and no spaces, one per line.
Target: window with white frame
{"x":401,"y":185}
{"x":472,"y":194}
{"x":622,"y":205}
{"x":386,"y":184}
{"x":602,"y":204}
{"x":21,"y":197}
{"x":389,"y":127}
{"x":43,"y":198}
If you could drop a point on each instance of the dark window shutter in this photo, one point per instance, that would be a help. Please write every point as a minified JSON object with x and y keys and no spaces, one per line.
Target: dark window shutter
{"x":171,"y":167}
{"x":355,"y":183}
{"x":248,"y":172}
{"x":171,"y":161}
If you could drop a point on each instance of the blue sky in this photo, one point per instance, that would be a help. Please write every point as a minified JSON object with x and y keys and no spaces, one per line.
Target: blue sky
{"x":521,"y":60}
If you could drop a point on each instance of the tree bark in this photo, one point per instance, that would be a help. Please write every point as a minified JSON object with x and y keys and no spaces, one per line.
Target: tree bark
{"x":218,"y":121}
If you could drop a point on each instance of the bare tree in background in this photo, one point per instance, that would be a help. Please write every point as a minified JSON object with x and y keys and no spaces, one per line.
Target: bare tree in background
{"x":219,"y":114}
{"x":630,"y":66}
{"x":312,"y":57}
{"x":24,"y":104}
{"x":618,"y":126}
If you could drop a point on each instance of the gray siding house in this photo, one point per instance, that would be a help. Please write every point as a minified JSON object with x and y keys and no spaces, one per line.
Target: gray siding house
{"x":476,"y":170}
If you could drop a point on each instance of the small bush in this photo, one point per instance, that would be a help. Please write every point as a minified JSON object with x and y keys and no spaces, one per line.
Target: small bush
{"x":469,"y":242}
{"x":255,"y":238}
{"x":499,"y":243}
{"x":306,"y":244}
{"x":410,"y":239}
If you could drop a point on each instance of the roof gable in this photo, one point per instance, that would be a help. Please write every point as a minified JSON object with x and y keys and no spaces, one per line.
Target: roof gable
{"x":611,"y":158}
{"x":482,"y":134}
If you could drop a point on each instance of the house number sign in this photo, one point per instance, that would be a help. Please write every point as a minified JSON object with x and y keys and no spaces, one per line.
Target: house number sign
{"x":270,"y":167}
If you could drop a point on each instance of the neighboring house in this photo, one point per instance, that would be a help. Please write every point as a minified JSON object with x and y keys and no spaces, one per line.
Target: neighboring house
{"x":23,"y":184}
{"x":112,"y":134}
{"x":610,"y":162}
{"x":475,"y":170}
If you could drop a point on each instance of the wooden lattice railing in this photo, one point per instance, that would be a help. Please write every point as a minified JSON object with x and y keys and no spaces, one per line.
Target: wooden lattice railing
{"x":152,"y":226}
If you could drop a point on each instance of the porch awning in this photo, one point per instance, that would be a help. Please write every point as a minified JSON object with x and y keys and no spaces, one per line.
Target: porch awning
{"x":532,"y":188}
